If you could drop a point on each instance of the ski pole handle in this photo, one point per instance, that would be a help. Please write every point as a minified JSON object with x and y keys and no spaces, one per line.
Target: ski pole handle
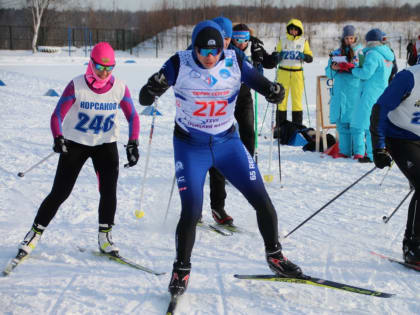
{"x":21,"y":174}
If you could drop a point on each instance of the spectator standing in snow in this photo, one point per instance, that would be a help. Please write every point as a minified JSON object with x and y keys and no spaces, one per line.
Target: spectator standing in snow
{"x":413,"y":49}
{"x":293,"y":50}
{"x":346,"y":89}
{"x":206,"y":81}
{"x":85,"y":125}
{"x":374,"y":73}
{"x":395,"y":128}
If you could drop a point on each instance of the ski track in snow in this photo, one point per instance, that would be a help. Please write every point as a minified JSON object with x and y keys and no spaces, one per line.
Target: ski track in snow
{"x":59,"y":279}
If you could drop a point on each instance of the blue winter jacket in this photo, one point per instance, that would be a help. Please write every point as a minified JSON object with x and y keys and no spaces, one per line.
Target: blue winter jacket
{"x":374,"y":75}
{"x":346,"y":89}
{"x":381,"y":127}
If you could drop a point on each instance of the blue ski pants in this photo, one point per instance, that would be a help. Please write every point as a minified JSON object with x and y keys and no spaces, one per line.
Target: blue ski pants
{"x":195,"y":153}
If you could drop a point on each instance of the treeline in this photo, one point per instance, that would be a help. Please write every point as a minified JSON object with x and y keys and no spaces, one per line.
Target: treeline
{"x":148,"y":23}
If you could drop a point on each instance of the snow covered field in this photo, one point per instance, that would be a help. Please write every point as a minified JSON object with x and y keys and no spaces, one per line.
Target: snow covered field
{"x":59,"y":279}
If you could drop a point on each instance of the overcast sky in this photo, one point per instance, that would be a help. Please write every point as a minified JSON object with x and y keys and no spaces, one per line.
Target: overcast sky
{"x":135,"y":5}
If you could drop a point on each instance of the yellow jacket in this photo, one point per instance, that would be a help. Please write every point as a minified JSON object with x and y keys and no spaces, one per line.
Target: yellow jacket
{"x":292,"y":46}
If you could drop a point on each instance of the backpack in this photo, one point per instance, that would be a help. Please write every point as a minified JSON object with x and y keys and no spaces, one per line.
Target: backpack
{"x":291,"y":133}
{"x":311,"y":145}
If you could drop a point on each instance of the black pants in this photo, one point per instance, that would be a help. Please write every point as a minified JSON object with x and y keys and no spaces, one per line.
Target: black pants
{"x":105,"y":162}
{"x":406,"y":154}
{"x":244,"y":114}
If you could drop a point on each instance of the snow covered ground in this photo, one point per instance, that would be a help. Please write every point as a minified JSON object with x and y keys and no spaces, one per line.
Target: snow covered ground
{"x":59,"y":279}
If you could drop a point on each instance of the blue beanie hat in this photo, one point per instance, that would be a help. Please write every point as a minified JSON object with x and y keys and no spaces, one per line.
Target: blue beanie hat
{"x":348,"y":30}
{"x":375,"y":35}
{"x":226,"y":26}
{"x":207,"y":34}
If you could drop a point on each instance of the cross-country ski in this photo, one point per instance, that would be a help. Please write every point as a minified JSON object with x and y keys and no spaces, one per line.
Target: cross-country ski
{"x":317,"y":282}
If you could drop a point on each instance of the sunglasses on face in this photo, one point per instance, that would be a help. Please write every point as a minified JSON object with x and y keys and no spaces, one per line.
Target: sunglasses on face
{"x":101,"y":67}
{"x":241,"y":40}
{"x":207,"y":51}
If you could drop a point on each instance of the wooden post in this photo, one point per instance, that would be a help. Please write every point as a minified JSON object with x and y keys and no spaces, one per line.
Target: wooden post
{"x":322,"y":112}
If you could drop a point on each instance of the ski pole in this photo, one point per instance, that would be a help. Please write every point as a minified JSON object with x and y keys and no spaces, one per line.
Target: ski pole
{"x":21,"y":174}
{"x":306,"y":97}
{"x":152,"y":127}
{"x":329,"y":202}
{"x":265,"y":114}
{"x":387,"y":218}
{"x":170,"y":198}
{"x":278,"y":149}
{"x":387,"y":171}
{"x":269,"y":177}
{"x":256,"y":127}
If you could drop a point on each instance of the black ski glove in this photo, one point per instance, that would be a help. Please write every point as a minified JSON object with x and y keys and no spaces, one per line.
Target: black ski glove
{"x":60,"y":145}
{"x":381,"y":158}
{"x":255,"y":40}
{"x":276,"y":94}
{"x":132,"y":152}
{"x":257,"y":53}
{"x":278,"y":57}
{"x":157,"y":84}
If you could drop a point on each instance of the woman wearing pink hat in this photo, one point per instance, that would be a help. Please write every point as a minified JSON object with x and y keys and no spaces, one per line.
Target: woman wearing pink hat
{"x":85,"y":125}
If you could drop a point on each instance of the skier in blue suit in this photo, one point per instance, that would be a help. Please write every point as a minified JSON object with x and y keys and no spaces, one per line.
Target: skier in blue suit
{"x":244,"y":110}
{"x":206,"y":82}
{"x":346,"y":89}
{"x":395,"y":129}
{"x":374,"y":73}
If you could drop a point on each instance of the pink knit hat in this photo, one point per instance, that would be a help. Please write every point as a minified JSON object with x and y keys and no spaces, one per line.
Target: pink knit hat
{"x":103,"y":54}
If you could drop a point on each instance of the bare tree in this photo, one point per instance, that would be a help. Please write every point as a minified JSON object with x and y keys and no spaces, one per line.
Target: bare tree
{"x":38,"y":8}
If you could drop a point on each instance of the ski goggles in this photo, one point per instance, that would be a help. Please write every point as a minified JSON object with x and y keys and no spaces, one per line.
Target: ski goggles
{"x":102,"y":67}
{"x":241,"y":36}
{"x":207,"y":51}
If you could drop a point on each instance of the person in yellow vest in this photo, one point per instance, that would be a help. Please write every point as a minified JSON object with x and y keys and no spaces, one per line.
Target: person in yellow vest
{"x":293,"y":49}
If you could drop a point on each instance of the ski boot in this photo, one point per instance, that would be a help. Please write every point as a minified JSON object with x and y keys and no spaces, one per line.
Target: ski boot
{"x":411,"y":250}
{"x":106,"y":245}
{"x":31,"y":239}
{"x":179,"y":280}
{"x":365,"y":159}
{"x":280,"y":265}
{"x":221,"y":217}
